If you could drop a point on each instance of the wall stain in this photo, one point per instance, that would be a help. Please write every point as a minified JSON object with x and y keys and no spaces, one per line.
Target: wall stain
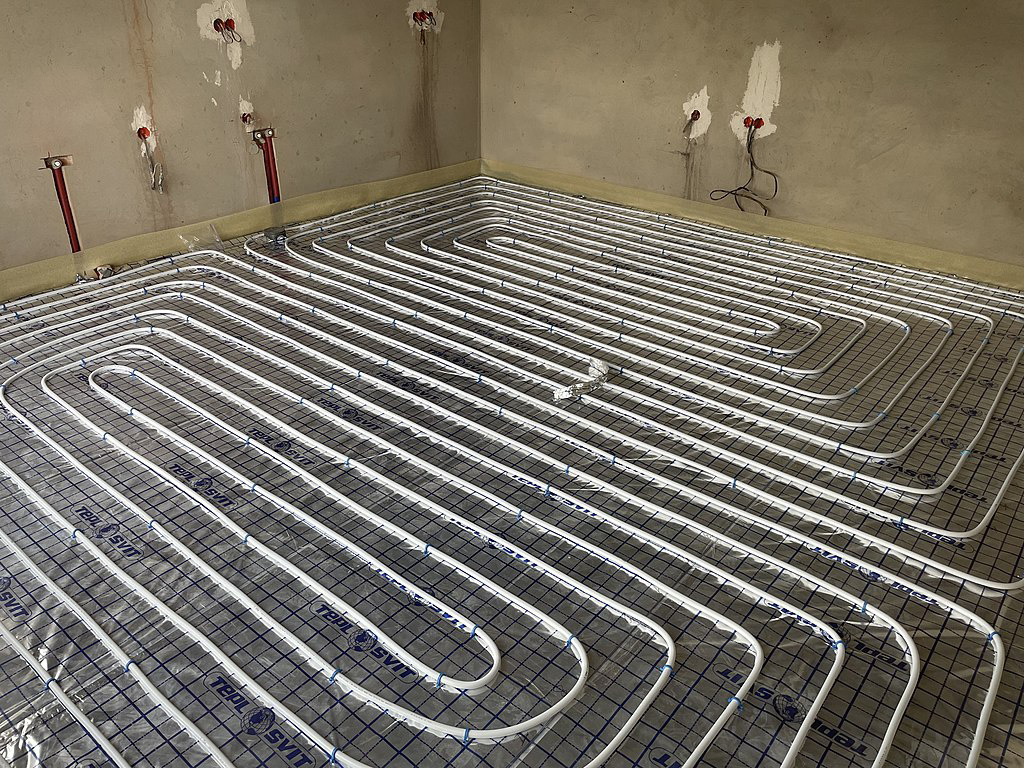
{"x":693,"y":164}
{"x":424,"y":124}
{"x":140,"y":44}
{"x":692,"y":167}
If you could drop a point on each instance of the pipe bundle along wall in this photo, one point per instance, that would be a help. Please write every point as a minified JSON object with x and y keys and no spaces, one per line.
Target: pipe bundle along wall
{"x":318,"y":503}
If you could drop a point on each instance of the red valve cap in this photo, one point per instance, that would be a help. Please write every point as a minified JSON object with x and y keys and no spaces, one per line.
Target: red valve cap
{"x":695,"y":116}
{"x":143,"y":133}
{"x":759,"y":123}
{"x":230,"y":24}
{"x":748,"y":121}
{"x":218,"y":25}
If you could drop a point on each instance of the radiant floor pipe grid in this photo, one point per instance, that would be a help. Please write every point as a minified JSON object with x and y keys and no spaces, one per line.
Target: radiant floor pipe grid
{"x":492,"y":476}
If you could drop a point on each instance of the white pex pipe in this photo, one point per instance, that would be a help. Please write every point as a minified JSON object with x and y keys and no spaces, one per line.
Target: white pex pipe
{"x":518,"y":209}
{"x":734,"y":701}
{"x":494,"y":244}
{"x":501,"y":218}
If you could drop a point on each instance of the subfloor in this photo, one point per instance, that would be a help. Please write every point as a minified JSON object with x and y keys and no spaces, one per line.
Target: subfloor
{"x":492,"y":476}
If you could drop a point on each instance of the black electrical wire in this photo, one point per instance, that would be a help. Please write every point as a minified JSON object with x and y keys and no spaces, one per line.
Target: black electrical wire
{"x":744,"y":191}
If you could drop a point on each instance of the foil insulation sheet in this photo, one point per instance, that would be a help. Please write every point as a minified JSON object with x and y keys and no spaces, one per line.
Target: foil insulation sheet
{"x":488,"y":475}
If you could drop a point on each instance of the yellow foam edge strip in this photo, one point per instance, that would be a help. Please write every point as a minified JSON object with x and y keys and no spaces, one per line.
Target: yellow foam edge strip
{"x":977,"y":268}
{"x":51,"y":273}
{"x":61,"y":270}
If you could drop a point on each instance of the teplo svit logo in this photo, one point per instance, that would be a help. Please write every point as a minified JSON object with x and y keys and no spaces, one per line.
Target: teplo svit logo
{"x":256,"y":722}
{"x":12,"y":603}
{"x":363,"y":640}
{"x":282,"y":445}
{"x":114,"y":534}
{"x":202,"y":483}
{"x":789,"y":709}
{"x":106,"y":530}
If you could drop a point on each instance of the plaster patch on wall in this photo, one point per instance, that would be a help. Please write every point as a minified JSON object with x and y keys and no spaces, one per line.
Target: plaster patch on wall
{"x":214,"y":101}
{"x":430,"y":6}
{"x":245,"y":107}
{"x":142,"y":119}
{"x":698,"y":101}
{"x":227,"y":9}
{"x":764,"y":84}
{"x":216,"y":79}
{"x":205,"y":77}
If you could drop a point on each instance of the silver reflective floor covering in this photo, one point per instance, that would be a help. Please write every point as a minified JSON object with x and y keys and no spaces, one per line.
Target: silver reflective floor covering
{"x":492,"y":476}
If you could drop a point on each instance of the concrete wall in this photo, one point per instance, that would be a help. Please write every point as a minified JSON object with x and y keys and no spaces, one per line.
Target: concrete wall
{"x":900,"y":120}
{"x":353,"y":94}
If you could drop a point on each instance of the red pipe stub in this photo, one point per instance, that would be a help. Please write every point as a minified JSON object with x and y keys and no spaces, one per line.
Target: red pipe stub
{"x":65,"y":205}
{"x":218,"y":25}
{"x":759,"y":123}
{"x":695,"y":116}
{"x":748,"y":121}
{"x":230,"y":24}
{"x":143,"y":133}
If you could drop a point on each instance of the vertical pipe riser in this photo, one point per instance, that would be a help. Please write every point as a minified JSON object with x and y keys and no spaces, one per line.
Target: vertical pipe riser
{"x":275,"y":186}
{"x":65,"y":208}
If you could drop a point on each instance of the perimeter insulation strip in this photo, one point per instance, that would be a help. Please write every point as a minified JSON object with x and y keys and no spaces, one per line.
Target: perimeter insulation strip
{"x":492,"y":476}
